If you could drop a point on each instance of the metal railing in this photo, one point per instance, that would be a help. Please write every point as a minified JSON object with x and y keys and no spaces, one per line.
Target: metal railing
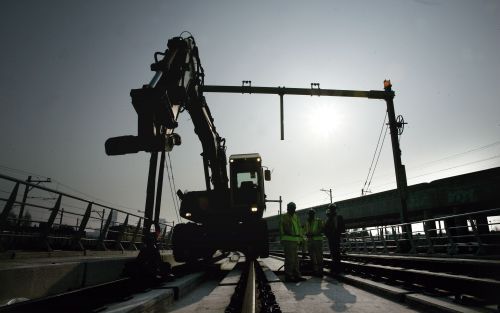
{"x":49,"y":219}
{"x":458,"y":234}
{"x":454,"y":235}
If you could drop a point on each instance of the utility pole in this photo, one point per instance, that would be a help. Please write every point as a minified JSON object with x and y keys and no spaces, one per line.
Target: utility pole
{"x":330,"y":191}
{"x":27,"y":188}
{"x":101,"y":217}
{"x":61,"y":217}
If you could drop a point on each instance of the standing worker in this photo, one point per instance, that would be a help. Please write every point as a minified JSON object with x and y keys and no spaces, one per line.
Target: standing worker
{"x":313,"y":229}
{"x":291,"y":237}
{"x":334,"y":227}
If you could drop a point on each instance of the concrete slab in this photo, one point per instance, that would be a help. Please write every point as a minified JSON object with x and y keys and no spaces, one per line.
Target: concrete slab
{"x":160,"y":298}
{"x":270,"y":276}
{"x":153,"y":301}
{"x":213,"y":296}
{"x":322,"y":295}
{"x":391,"y":292}
{"x":39,"y":281}
{"x":228,"y":265}
{"x":103,"y":271}
{"x":26,"y":262}
{"x":285,"y":298}
{"x":231,"y":278}
{"x":432,"y":304}
{"x":191,"y":301}
{"x":31,"y":278}
{"x":17,"y":254}
{"x":273,"y":263}
{"x":216,"y":301}
{"x":183,"y":285}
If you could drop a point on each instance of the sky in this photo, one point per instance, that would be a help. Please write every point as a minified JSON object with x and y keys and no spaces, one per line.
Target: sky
{"x":68,"y":67}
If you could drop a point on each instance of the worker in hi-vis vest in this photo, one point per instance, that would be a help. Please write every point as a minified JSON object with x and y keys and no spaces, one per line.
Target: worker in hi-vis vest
{"x":313,"y":229}
{"x":291,"y":237}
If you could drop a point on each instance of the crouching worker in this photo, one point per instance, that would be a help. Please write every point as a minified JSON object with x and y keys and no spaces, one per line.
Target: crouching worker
{"x":313,"y":229}
{"x":291,"y":237}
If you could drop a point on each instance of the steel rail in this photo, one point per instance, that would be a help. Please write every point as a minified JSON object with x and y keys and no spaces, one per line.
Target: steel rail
{"x":249,"y":301}
{"x":252,"y":293}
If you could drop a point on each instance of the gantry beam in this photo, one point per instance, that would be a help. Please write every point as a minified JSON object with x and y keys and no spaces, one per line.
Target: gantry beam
{"x":387,"y":94}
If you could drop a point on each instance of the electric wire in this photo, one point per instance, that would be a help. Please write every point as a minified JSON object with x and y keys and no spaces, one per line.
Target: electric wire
{"x":22,"y":171}
{"x":461,"y":165}
{"x":375,"y":152}
{"x":446,"y":169}
{"x":173,"y":180}
{"x":426,"y":164}
{"x":458,"y":154}
{"x":58,"y":184}
{"x":353,"y":194}
{"x":379,"y":152}
{"x":94,"y":198}
{"x":171,"y":185}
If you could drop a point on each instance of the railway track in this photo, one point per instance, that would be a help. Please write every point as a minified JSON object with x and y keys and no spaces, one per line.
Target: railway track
{"x":467,"y":281}
{"x":253,"y":292}
{"x":241,"y":286}
{"x":246,"y":286}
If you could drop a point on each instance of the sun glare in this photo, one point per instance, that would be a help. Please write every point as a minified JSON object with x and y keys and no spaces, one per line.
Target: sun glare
{"x":323,"y":120}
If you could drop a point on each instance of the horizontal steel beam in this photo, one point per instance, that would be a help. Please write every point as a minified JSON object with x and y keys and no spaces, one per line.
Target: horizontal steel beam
{"x":372,"y":94}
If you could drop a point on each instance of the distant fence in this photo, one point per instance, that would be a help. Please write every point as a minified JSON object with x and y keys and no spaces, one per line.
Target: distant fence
{"x":35,"y":217}
{"x":460,"y":234}
{"x":468,"y":234}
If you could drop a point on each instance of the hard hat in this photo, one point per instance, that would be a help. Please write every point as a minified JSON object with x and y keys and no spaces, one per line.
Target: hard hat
{"x":291,"y":205}
{"x":331,"y":208}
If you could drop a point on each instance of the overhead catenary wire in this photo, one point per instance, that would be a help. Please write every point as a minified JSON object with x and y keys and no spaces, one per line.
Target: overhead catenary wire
{"x":378,"y":157}
{"x":171,"y":183}
{"x":426,"y":164}
{"x":457,"y":166}
{"x":453,"y":156}
{"x":176,"y":200}
{"x":59,"y":184}
{"x":458,"y":154}
{"x":375,"y":153}
{"x":15,"y":170}
{"x":445,"y":169}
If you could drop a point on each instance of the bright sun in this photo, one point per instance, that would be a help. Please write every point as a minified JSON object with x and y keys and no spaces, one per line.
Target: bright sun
{"x":323,"y":120}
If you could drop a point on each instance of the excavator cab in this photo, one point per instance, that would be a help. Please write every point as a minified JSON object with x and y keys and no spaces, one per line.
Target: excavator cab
{"x":229,"y":221}
{"x":247,"y":185}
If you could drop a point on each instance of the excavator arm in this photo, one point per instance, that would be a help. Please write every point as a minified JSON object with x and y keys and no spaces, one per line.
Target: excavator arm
{"x":176,"y":86}
{"x":224,"y":218}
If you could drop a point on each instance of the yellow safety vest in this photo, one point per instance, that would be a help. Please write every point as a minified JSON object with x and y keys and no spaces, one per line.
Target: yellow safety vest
{"x":296,"y":229}
{"x":314,"y":228}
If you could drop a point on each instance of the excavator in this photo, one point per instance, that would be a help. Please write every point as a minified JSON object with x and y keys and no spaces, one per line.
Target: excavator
{"x":228,"y":215}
